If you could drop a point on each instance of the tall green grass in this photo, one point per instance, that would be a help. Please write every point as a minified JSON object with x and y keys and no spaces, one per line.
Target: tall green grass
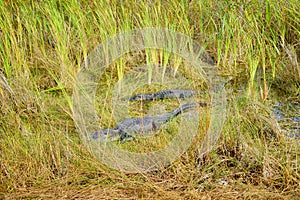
{"x":42,"y":46}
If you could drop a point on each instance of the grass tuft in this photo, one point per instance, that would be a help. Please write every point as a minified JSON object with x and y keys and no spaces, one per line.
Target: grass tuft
{"x":42,"y":46}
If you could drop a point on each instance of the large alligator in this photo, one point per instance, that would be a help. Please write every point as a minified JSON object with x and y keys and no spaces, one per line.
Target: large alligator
{"x":164,"y":94}
{"x":135,"y":126}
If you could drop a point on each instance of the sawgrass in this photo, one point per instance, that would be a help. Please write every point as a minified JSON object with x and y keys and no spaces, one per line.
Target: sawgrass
{"x":42,"y":45}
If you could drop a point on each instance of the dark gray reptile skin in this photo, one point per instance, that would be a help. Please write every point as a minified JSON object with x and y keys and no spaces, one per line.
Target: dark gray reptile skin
{"x":133,"y":126}
{"x":164,"y":94}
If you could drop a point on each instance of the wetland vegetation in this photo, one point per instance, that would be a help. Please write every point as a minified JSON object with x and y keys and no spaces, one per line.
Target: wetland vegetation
{"x":43,"y":44}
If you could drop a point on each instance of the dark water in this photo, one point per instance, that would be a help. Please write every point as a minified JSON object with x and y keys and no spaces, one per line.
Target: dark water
{"x":288,"y":117}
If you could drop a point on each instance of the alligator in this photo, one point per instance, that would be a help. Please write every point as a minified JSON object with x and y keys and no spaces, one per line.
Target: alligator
{"x":135,"y":126}
{"x":164,"y":94}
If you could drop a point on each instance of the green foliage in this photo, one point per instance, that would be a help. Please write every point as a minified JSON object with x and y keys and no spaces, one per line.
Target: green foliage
{"x":42,"y":45}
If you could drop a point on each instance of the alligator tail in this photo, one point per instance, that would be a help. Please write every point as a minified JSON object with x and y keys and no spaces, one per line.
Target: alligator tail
{"x":185,"y":107}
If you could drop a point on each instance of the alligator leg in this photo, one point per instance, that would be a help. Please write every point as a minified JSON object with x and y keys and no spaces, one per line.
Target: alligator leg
{"x":125,"y":136}
{"x":137,"y":126}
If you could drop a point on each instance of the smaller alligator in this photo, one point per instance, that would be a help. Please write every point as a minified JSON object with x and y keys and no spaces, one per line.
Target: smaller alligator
{"x":134,"y":126}
{"x":164,"y":94}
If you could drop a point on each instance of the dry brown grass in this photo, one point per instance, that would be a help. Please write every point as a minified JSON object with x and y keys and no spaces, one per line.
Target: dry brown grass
{"x":42,"y":45}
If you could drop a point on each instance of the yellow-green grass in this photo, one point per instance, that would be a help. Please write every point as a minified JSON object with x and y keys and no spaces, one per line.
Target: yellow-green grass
{"x":42,"y":45}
